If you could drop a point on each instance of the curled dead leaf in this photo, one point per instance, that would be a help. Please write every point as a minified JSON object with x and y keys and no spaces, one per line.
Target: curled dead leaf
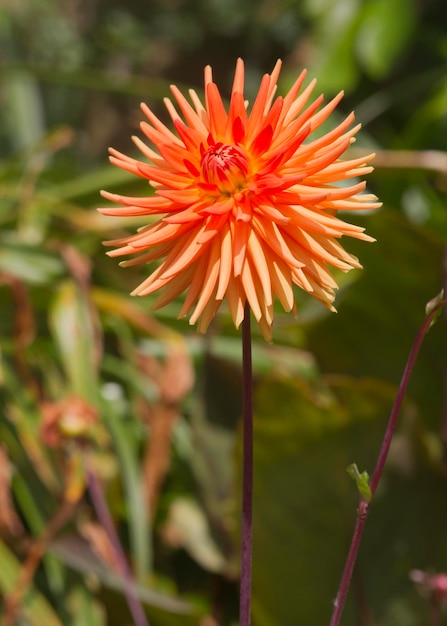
{"x":9,"y":520}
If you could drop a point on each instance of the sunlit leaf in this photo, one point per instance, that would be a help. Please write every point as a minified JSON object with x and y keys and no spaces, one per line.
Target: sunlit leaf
{"x":28,"y":262}
{"x":74,"y":331}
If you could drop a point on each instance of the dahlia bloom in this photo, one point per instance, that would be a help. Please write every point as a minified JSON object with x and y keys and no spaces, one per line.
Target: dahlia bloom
{"x":246,"y":200}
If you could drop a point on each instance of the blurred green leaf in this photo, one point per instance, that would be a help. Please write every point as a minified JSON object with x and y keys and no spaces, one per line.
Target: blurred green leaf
{"x":34,"y":516}
{"x":24,"y":107}
{"x":28,"y":262}
{"x":26,"y":420}
{"x":140,"y":537}
{"x":77,"y":554}
{"x":85,"y":610}
{"x":336,"y":27}
{"x":385,"y":30}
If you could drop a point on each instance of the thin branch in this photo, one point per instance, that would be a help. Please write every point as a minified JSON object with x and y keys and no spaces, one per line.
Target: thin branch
{"x":435,"y":611}
{"x":363,"y":509}
{"x":432,"y":160}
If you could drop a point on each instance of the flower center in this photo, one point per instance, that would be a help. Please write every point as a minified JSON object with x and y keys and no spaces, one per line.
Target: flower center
{"x":225,"y":166}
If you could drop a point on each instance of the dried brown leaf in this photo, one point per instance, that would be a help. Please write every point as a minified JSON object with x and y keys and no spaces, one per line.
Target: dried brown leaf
{"x":9,"y":520}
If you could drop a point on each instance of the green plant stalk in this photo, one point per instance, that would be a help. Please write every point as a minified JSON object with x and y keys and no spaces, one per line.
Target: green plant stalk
{"x":247,"y":474}
{"x":364,"y":506}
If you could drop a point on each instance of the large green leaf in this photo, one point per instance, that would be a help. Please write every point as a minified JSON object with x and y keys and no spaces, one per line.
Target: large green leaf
{"x":305,"y":503}
{"x":379,"y":316}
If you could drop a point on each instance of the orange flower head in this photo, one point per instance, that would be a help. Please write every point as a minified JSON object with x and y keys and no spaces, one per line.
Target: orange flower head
{"x":245,"y":200}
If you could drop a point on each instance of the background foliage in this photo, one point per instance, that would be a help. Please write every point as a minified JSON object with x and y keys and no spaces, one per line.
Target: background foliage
{"x":153,"y":407}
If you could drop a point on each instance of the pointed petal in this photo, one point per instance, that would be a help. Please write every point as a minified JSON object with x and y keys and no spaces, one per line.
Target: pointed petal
{"x":260,"y":267}
{"x":209,"y":281}
{"x":226,"y":262}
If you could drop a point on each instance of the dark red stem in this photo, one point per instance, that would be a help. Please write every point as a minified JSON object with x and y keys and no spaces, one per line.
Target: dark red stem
{"x":247,"y":474}
{"x":363,"y":509}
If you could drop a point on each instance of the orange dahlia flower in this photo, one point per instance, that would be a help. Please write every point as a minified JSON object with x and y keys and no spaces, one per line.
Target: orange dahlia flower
{"x":246,"y":200}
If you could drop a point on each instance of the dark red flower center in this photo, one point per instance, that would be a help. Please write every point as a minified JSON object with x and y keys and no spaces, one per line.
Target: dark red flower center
{"x":225,"y":166}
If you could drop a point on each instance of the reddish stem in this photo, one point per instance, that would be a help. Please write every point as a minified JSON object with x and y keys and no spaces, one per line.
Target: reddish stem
{"x":247,"y":474}
{"x":102,"y":511}
{"x":435,"y":611}
{"x":363,"y":509}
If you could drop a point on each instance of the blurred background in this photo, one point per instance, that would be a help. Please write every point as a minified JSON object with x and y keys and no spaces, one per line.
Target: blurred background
{"x":92,"y":382}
